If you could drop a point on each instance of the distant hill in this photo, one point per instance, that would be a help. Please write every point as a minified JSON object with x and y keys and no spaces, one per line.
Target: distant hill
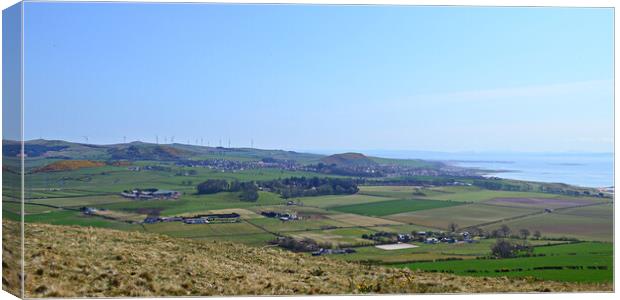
{"x":40,"y":150}
{"x":144,"y":151}
{"x":63,"y":261}
{"x":350,"y":159}
{"x":55,"y":149}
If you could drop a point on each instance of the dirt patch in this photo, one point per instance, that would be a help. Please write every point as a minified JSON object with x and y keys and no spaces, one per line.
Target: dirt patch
{"x":396,"y":246}
{"x":311,"y":216}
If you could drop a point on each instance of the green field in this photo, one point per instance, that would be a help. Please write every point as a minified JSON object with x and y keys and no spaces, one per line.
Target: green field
{"x":385,"y":208}
{"x":275,"y":225}
{"x":463,"y":215}
{"x":473,"y":194}
{"x":359,"y":220}
{"x":190,"y":203}
{"x":341,"y":200}
{"x":178,"y":229}
{"x":582,"y":262}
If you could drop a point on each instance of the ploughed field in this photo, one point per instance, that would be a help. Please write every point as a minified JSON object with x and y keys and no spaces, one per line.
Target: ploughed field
{"x":338,"y":221}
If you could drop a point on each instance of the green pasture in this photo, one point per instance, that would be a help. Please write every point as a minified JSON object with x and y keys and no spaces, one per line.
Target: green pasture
{"x":385,"y":208}
{"x":190,"y":203}
{"x":583,"y":262}
{"x":179,"y":229}
{"x":275,"y":225}
{"x":340,"y":200}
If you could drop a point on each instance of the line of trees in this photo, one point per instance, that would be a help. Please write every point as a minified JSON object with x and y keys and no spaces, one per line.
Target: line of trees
{"x":314,"y":186}
{"x":248,"y":190}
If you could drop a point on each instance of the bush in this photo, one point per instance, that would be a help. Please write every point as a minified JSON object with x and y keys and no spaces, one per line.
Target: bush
{"x":503,"y":249}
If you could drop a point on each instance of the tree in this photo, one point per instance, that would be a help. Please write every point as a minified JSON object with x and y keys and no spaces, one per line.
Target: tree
{"x":524,"y":233}
{"x":537,"y":234}
{"x":476,"y":231}
{"x":503,"y":249}
{"x":453,"y":227}
{"x":505,"y":230}
{"x":212,"y":186}
{"x":249,"y":192}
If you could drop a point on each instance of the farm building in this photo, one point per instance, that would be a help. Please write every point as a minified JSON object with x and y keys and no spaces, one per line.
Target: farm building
{"x":431,"y":241}
{"x":198,"y":219}
{"x":333,"y":251}
{"x":88,"y":210}
{"x":146,"y":194}
{"x":281,"y":216}
{"x":151,"y":220}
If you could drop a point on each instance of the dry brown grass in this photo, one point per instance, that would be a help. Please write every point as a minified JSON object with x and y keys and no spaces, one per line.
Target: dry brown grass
{"x":11,"y":257}
{"x":66,"y":261}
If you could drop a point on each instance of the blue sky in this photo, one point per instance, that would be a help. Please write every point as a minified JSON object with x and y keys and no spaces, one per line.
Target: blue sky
{"x":322,"y":77}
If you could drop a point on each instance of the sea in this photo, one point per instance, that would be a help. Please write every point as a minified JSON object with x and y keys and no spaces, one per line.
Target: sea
{"x":582,"y":169}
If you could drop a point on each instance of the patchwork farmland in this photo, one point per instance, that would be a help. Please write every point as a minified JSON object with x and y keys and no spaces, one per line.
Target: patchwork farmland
{"x":441,"y":227}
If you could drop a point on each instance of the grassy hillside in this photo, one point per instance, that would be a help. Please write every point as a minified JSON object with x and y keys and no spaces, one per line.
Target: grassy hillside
{"x":348,"y":160}
{"x":79,"y":261}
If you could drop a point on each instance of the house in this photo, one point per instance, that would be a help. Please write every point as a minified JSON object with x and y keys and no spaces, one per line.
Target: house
{"x":88,"y":210}
{"x":431,"y":241}
{"x":151,"y":220}
{"x":403,"y":238}
{"x":282,"y":216}
{"x":333,"y":251}
{"x":448,"y":240}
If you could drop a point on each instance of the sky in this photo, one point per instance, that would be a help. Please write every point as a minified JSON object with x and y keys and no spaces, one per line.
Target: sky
{"x":321,"y":77}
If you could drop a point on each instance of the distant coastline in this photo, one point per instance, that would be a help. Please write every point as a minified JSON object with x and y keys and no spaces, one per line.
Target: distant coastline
{"x":582,"y":169}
